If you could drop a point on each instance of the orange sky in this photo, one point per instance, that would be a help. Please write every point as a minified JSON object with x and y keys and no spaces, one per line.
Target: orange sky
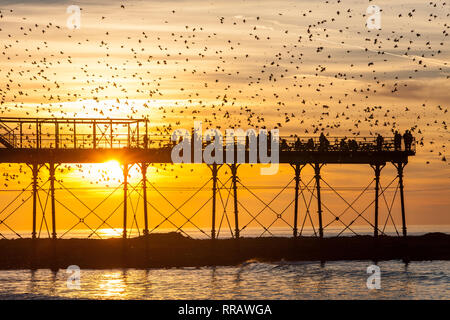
{"x":299,"y":66}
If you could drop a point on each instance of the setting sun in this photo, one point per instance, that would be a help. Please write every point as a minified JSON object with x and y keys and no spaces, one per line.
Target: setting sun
{"x":113,"y":169}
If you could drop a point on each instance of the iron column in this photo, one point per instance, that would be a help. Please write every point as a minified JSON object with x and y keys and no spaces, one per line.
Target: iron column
{"x":52,"y":195}
{"x":377,"y":187}
{"x":35,"y":170}
{"x":297,"y":182}
{"x":319,"y":203}
{"x":400,"y":167}
{"x":144,"y":190}
{"x":125,"y":197}
{"x":234,"y":181}
{"x":214,"y":171}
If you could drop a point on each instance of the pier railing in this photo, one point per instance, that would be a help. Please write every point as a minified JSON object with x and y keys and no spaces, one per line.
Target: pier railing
{"x":93,"y":133}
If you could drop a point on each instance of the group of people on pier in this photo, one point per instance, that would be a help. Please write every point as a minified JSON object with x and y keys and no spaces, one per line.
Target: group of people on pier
{"x":349,"y":144}
{"x":343,"y":144}
{"x":407,"y":138}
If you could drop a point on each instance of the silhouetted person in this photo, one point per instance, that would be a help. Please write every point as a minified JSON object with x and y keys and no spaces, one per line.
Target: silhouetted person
{"x":343,"y":145}
{"x":380,"y":141}
{"x":284,"y":145}
{"x":397,"y":141}
{"x":407,"y":138}
{"x":145,"y":142}
{"x":297,"y":145}
{"x":353,"y":145}
{"x":174,"y":143}
{"x":411,"y":138}
{"x":310,"y":144}
{"x":323,"y":142}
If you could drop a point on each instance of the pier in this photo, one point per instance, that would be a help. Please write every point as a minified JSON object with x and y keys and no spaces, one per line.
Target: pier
{"x":46,"y":143}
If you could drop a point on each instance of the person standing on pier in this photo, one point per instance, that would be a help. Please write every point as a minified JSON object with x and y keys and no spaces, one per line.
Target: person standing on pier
{"x":408,"y":138}
{"x":297,"y":145}
{"x":380,"y":141}
{"x":353,"y":145}
{"x":343,"y":145}
{"x":310,"y":145}
{"x":284,"y":145}
{"x":323,"y":142}
{"x":146,"y":142}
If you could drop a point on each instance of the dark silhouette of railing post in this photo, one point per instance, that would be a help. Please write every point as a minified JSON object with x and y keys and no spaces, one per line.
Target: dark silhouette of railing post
{"x":297,"y":169}
{"x":146,"y":134}
{"x":20,"y":133}
{"x":234,"y":168}
{"x":56,"y":135}
{"x":125,"y":199}
{"x":37,"y":134}
{"x":137,"y":134}
{"x":111,"y":132}
{"x":40,"y":134}
{"x":377,"y":168}
{"x":52,"y":195}
{"x":74,"y":134}
{"x":400,"y":166}
{"x":128,"y":136}
{"x":317,"y":167}
{"x":94,"y":134}
{"x":144,"y":167}
{"x":35,"y":172}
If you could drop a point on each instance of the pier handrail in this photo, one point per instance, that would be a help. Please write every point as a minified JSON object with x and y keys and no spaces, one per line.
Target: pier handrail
{"x":7,"y":136}
{"x":118,"y":133}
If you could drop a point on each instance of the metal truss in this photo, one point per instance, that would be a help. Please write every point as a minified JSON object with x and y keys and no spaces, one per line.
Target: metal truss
{"x":223,"y":200}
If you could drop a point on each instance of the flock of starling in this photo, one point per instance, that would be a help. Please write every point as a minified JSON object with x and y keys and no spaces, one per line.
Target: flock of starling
{"x":305,"y":69}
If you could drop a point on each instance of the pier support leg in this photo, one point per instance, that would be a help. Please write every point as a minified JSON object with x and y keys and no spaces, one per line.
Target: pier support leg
{"x":125,"y":199}
{"x":297,"y":169}
{"x":234,"y":168}
{"x":35,"y":171}
{"x":319,"y":202}
{"x":214,"y":170}
{"x":377,"y":168}
{"x":144,"y":167}
{"x":400,"y":167}
{"x":52,"y":196}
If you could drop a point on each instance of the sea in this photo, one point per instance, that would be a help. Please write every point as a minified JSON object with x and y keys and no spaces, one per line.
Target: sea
{"x":281,"y":280}
{"x":250,"y":280}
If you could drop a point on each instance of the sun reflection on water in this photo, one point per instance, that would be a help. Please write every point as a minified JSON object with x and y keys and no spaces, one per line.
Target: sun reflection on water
{"x":112,"y":285}
{"x":110,"y":232}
